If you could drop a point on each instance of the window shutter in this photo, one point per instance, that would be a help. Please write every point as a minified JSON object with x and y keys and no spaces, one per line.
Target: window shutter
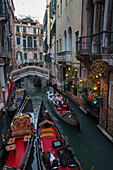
{"x":17,"y":55}
{"x":21,"y":55}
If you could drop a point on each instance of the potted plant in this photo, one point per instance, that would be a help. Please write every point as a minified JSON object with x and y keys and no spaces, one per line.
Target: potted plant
{"x":81,"y":90}
{"x":65,"y":82}
{"x":74,"y":85}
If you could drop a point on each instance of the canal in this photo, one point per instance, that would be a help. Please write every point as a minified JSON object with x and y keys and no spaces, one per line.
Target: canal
{"x":93,"y":150}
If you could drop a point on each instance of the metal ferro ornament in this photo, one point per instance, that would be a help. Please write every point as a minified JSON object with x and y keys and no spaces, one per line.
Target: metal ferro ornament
{"x":98,"y":66}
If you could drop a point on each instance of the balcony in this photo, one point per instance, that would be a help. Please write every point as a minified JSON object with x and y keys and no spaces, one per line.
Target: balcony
{"x":65,"y":56}
{"x":97,"y":45}
{"x":30,"y":61}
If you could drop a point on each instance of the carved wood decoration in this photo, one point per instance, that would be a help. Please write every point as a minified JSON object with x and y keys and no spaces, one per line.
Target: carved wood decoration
{"x":98,"y":66}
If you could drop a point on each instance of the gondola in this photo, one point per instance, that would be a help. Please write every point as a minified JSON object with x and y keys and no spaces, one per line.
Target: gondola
{"x":37,"y":81}
{"x":65,"y":112}
{"x":16,"y":101}
{"x":53,"y":150}
{"x":18,"y":140}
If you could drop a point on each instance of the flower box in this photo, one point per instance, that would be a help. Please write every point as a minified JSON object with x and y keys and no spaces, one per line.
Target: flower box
{"x":99,"y":101}
{"x":73,"y":86}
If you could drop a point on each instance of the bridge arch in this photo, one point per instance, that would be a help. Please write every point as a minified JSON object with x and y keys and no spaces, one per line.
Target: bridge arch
{"x":30,"y":70}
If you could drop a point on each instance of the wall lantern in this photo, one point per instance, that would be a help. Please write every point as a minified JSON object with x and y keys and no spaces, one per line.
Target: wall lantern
{"x":66,"y":75}
{"x":75,"y":69}
{"x":94,"y":88}
{"x":100,"y":74}
{"x":81,"y":80}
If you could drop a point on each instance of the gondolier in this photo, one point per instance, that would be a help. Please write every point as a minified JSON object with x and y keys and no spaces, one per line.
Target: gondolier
{"x":54,"y":83}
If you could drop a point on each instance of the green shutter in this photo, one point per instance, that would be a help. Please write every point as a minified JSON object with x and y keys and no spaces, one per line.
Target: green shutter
{"x":21,"y":55}
{"x":17,"y":55}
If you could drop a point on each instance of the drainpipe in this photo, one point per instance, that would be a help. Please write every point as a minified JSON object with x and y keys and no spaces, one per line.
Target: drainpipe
{"x":108,"y":98}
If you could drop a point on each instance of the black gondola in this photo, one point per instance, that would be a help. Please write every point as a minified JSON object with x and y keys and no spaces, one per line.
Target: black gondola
{"x":18,"y":140}
{"x":16,"y":101}
{"x":65,"y":112}
{"x":53,"y":150}
{"x":37,"y":81}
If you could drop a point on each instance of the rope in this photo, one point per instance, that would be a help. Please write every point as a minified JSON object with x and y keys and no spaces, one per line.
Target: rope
{"x":24,"y":104}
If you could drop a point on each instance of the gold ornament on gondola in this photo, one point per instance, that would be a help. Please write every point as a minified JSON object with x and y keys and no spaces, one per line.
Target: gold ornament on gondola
{"x":98,"y":66}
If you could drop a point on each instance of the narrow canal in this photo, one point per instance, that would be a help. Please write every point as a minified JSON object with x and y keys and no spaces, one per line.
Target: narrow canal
{"x":93,"y":150}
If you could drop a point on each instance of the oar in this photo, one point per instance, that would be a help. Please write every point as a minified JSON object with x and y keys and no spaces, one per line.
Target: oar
{"x":24,"y":104}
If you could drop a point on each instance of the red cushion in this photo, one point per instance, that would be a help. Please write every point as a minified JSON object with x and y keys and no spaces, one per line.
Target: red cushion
{"x":59,"y":108}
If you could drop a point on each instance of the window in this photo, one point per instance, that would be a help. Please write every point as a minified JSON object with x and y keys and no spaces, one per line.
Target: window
{"x":17,"y":29}
{"x":57,"y":45}
{"x":40,"y":41}
{"x":60,"y":6}
{"x":34,"y":30}
{"x":41,"y":31}
{"x":25,"y":56}
{"x":2,"y":38}
{"x":40,"y":56}
{"x":24,"y":41}
{"x":75,"y":92}
{"x":29,"y":42}
{"x":35,"y":56}
{"x":66,"y":2}
{"x":69,"y":85}
{"x":18,"y":40}
{"x":24,"y":29}
{"x":19,"y":55}
{"x":57,"y":11}
{"x":60,"y":45}
{"x":76,"y":40}
{"x":35,"y":42}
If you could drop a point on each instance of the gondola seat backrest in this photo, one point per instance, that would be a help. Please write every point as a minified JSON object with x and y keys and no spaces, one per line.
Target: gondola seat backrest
{"x":19,"y":93}
{"x":21,"y":125}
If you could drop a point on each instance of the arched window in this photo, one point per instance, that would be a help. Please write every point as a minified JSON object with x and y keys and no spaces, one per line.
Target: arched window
{"x":19,"y":55}
{"x":65,"y":41}
{"x":41,"y":55}
{"x":29,"y":42}
{"x":69,"y":39}
{"x":35,"y":42}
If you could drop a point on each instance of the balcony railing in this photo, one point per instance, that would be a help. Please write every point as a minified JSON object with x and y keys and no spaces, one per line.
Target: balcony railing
{"x":65,"y":56}
{"x":30,"y":61}
{"x":96,"y":44}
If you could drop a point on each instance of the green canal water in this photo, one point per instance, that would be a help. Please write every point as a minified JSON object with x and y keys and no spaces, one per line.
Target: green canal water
{"x":92,"y":149}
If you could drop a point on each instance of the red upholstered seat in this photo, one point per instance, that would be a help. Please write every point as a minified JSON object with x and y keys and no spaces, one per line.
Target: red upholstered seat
{"x":11,"y":141}
{"x":64,"y":105}
{"x":10,"y":148}
{"x":59,"y":108}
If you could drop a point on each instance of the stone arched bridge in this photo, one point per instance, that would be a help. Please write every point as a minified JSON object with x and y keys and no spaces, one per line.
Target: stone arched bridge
{"x":30,"y":70}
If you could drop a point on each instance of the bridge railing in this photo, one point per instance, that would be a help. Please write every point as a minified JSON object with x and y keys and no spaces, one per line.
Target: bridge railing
{"x":30,"y":70}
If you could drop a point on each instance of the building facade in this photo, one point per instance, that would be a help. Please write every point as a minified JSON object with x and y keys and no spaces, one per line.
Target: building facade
{"x":46,"y":30}
{"x":68,"y":31}
{"x":7,"y":45}
{"x":29,"y":42}
{"x":95,"y":52}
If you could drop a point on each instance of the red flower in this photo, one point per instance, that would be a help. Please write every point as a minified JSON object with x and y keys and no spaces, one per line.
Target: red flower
{"x":96,"y":84}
